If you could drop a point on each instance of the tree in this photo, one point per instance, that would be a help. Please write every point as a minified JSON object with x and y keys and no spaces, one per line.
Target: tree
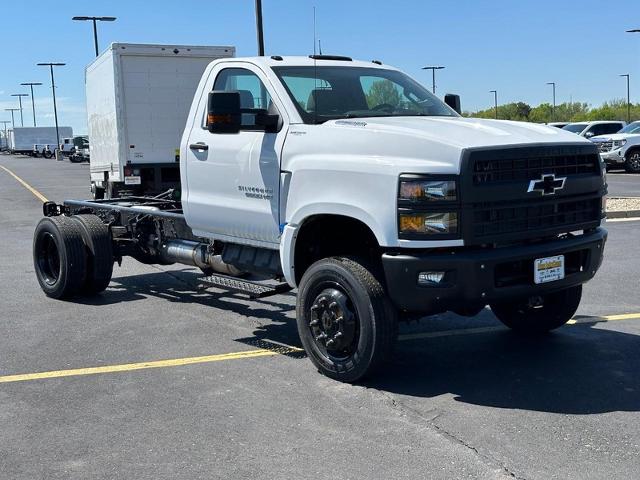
{"x":383,"y":92}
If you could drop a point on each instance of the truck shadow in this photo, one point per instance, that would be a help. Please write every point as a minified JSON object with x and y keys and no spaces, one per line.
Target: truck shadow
{"x":578,"y":369}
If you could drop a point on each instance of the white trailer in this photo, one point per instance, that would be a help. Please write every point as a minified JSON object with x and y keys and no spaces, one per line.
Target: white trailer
{"x":23,"y":139}
{"x":138,"y":100}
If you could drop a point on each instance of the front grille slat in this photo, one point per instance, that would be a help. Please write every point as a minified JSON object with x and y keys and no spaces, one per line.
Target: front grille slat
{"x":504,"y":170}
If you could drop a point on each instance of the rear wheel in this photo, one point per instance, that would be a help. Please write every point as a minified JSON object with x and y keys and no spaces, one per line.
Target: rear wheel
{"x":97,"y":240}
{"x":632,"y":161}
{"x":59,"y":257}
{"x":346,"y":323}
{"x":541,"y":313}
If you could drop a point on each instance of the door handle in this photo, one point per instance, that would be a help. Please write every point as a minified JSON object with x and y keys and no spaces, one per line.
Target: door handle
{"x":199,"y":146}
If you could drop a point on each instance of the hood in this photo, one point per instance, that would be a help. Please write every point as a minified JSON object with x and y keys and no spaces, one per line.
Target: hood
{"x":614,"y":136}
{"x":463,"y":132}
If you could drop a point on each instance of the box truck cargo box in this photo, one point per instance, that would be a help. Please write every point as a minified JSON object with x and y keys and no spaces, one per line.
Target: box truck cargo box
{"x":138,"y":100}
{"x":23,"y":139}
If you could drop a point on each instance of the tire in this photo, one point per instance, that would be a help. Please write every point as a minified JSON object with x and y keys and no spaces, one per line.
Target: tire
{"x":59,"y":257}
{"x":97,"y":241}
{"x":46,"y":154}
{"x":556,"y":310}
{"x":362,"y":314}
{"x":632,"y":161}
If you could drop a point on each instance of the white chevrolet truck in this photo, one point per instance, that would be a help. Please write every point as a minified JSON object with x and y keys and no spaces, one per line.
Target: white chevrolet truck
{"x":351,"y":183}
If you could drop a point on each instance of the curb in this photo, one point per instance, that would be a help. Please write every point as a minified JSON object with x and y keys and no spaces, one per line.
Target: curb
{"x":624,"y":214}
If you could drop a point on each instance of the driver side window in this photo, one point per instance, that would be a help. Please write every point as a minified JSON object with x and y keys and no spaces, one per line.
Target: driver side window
{"x":254,"y":96}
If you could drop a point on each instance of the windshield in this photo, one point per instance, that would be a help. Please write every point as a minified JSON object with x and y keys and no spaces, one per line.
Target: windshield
{"x":631,"y":128}
{"x":327,"y":93}
{"x":575,"y":127}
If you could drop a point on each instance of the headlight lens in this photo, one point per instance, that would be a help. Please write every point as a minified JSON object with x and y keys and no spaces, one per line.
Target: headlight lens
{"x":428,"y":190}
{"x":444,"y":223}
{"x":618,"y":143}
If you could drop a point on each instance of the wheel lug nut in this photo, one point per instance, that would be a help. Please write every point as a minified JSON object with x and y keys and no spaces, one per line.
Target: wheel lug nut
{"x":337,"y":335}
{"x":313,"y":323}
{"x":333,"y":305}
{"x":330,"y":343}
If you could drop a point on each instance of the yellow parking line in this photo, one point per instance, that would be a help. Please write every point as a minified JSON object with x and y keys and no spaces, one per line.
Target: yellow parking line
{"x":472,"y":331}
{"x":37,"y":194}
{"x":175,"y":362}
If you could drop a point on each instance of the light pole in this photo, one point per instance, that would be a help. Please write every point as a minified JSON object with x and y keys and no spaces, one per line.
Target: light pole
{"x":53,"y":89}
{"x":433,"y":75}
{"x":13,"y":123}
{"x":495,"y":101}
{"x":259,"y":30}
{"x":95,"y":27}
{"x":33,"y":103}
{"x":628,"y":98}
{"x":20,"y":95}
{"x":553,"y":108}
{"x":6,"y":138}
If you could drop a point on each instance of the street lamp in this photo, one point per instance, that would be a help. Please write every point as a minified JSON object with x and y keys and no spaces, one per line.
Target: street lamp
{"x":433,"y":75}
{"x":53,"y":89}
{"x":13,"y":123}
{"x":495,"y":100}
{"x":95,"y":28}
{"x":6,"y":138}
{"x":635,"y":30}
{"x":20,"y":95}
{"x":33,"y":103}
{"x":628,"y":98}
{"x":553,"y":109}
{"x":259,"y":31}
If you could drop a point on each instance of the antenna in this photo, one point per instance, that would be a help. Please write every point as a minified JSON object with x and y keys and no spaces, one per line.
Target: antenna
{"x":314,"y":30}
{"x":319,"y":47}
{"x":315,"y":72}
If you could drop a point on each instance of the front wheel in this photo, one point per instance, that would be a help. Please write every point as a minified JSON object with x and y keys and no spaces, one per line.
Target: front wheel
{"x":632,"y":161}
{"x":346,"y":322}
{"x":539,"y":314}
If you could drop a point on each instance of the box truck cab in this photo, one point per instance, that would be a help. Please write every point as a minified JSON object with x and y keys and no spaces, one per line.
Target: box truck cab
{"x":354,"y":184}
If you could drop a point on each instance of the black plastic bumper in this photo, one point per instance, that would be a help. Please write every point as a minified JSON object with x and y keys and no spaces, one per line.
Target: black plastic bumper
{"x":484,"y":275}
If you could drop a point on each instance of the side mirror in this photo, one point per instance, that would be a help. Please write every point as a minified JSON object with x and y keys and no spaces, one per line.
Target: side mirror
{"x":223,"y":112}
{"x":589,"y":134}
{"x":453,"y":101}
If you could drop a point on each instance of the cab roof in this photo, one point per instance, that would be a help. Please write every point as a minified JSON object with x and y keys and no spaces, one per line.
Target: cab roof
{"x":302,"y":61}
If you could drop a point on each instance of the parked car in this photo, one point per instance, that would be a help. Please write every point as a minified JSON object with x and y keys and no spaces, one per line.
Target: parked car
{"x":621,"y":149}
{"x":79,"y":150}
{"x":593,"y":129}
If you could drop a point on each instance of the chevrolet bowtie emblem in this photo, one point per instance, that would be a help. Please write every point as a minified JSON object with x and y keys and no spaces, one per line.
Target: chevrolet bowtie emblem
{"x":547,"y":185}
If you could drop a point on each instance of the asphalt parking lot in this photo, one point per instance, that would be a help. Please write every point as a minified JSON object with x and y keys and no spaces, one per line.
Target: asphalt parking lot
{"x":463,"y":397}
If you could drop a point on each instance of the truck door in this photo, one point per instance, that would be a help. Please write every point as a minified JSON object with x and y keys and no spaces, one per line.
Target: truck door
{"x":233,"y":179}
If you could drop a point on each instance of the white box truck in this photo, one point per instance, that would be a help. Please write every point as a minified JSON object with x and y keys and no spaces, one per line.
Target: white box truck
{"x":35,"y":140}
{"x":138,"y":99}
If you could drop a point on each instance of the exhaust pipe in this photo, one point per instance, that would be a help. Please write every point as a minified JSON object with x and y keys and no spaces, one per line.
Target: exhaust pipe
{"x":198,"y":255}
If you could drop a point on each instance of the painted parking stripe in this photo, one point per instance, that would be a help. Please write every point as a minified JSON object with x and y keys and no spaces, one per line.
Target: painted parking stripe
{"x":175,"y":362}
{"x":580,"y":320}
{"x":35,"y":192}
{"x":275,"y":349}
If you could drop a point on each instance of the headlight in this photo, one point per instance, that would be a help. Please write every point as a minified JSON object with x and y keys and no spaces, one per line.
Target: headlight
{"x":432,"y":223}
{"x":618,"y":143}
{"x":428,"y":190}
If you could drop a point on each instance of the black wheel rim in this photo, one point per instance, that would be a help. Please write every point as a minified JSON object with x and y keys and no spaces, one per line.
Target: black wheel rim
{"x":49,"y":259}
{"x":634,"y":162}
{"x":334,"y":323}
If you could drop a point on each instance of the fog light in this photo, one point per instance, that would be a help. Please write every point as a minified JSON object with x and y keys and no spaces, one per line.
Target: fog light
{"x":430,"y":278}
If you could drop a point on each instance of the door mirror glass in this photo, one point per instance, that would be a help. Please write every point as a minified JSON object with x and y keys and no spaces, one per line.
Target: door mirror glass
{"x":223,"y":112}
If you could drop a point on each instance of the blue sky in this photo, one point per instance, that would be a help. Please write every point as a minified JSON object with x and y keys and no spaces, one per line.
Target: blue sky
{"x":512,"y":46}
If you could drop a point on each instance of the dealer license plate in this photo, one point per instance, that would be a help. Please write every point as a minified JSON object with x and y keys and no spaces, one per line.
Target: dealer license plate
{"x":548,"y":269}
{"x":132,"y":180}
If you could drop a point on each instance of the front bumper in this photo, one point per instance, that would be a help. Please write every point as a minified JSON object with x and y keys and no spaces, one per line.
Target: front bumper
{"x":613,"y":157}
{"x":476,"y":277}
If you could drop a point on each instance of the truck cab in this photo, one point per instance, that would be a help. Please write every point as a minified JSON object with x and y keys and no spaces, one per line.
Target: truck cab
{"x":353,"y":184}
